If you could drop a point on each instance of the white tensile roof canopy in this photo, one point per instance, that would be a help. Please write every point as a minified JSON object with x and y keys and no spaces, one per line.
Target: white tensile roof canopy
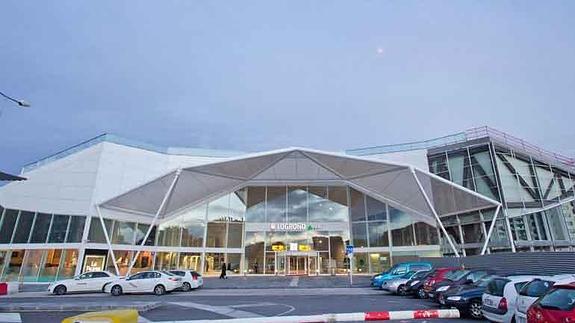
{"x":424,"y":195}
{"x":393,"y":183}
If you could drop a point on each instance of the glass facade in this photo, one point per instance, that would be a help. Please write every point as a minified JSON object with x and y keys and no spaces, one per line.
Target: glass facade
{"x":536,"y":197}
{"x":275,"y":230}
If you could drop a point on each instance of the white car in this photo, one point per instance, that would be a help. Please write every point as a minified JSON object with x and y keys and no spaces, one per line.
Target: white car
{"x":500,"y":295}
{"x":156,"y":282}
{"x":190,"y":279}
{"x":533,"y":290}
{"x":93,"y":281}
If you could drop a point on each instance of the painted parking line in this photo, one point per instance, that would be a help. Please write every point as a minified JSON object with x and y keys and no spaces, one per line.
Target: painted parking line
{"x":10,"y":318}
{"x":222,"y":310}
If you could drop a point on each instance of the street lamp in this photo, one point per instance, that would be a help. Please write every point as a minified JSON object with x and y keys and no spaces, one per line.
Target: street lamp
{"x":21,"y":103}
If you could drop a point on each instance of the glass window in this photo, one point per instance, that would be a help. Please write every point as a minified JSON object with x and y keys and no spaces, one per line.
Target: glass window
{"x":233,"y":262}
{"x":536,"y":288}
{"x":555,"y":219}
{"x":276,"y":241}
{"x":360,"y":263}
{"x":256,"y":207}
{"x":96,"y":234}
{"x":124,"y":232}
{"x":472,"y":233}
{"x":235,"y":233}
{"x":216,"y":237}
{"x":327,"y":204}
{"x":3,"y":255}
{"x":276,"y":204}
{"x":379,"y":262}
{"x":24,"y":227}
{"x":191,"y":261}
{"x":140,"y":232}
{"x":297,"y":204}
{"x":166,"y":261}
{"x":193,"y":235}
{"x":69,"y":262}
{"x":76,"y":229}
{"x":320,"y":241}
{"x":518,"y":228}
{"x":41,"y":227}
{"x":359,"y":233}
{"x":426,"y":234}
{"x":12,"y":272}
{"x":213,"y":262}
{"x":169,"y":234}
{"x":123,"y":259}
{"x":218,"y":210}
{"x":254,"y":252}
{"x":562,"y":299}
{"x":337,"y":207}
{"x":59,"y":228}
{"x":376,"y":210}
{"x":143,"y":262}
{"x":50,"y":269}
{"x":238,"y":205}
{"x":31,"y":267}
{"x":401,"y":228}
{"x":8,"y":224}
{"x":357,"y":205}
{"x":378,"y":234}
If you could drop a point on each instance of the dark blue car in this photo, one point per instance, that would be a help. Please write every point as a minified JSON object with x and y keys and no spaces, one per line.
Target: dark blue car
{"x":467,"y":298}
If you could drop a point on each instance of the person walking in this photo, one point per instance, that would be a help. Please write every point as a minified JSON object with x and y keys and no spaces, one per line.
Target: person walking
{"x":223,"y":274}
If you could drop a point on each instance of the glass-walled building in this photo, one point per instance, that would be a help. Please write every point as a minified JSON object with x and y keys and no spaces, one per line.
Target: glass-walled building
{"x":285,"y":212}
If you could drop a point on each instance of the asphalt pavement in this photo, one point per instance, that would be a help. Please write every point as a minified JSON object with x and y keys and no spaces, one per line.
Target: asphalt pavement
{"x":288,"y":296}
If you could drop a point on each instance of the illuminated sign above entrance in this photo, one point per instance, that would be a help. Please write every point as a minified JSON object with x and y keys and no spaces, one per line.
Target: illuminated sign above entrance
{"x":291,"y":227}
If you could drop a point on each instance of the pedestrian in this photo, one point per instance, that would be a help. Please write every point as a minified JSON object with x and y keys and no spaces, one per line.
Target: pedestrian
{"x":256,"y":268}
{"x":223,"y":274}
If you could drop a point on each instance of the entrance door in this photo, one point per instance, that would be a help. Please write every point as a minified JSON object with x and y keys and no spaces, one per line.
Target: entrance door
{"x":297,"y":265}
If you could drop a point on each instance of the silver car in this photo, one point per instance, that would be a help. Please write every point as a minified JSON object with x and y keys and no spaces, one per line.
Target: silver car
{"x":397,"y":285}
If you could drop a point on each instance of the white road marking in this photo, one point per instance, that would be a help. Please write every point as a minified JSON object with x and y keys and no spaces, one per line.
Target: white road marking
{"x":142,"y":319}
{"x":10,"y":318}
{"x":222,"y":310}
{"x":294,"y":282}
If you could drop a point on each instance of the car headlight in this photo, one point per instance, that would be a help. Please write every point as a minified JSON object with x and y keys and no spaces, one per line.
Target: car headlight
{"x":443,"y":288}
{"x":414,"y":282}
{"x":454,"y":298}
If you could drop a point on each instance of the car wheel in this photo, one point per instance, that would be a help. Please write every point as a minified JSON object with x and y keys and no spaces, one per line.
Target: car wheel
{"x":60,"y":290}
{"x":421,"y":293}
{"x":159,"y":290}
{"x":401,"y":290}
{"x":116,"y":290}
{"x":475,"y":309}
{"x":186,"y":287}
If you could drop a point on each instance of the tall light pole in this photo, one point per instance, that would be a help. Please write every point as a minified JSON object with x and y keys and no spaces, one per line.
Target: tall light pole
{"x":20,"y":103}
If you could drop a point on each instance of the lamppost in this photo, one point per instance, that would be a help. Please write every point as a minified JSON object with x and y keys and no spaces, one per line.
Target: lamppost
{"x":21,"y":103}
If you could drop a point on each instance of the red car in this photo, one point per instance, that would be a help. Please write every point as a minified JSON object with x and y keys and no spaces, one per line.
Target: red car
{"x":557,"y":305}
{"x":438,"y":276}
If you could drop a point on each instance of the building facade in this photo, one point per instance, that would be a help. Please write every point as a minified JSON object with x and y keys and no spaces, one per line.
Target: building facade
{"x":124,"y":206}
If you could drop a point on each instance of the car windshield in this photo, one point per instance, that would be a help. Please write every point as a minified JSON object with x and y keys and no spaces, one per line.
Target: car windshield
{"x":407,"y":274}
{"x":536,"y":288}
{"x":456,"y":274}
{"x":562,"y":299}
{"x":484,"y":281}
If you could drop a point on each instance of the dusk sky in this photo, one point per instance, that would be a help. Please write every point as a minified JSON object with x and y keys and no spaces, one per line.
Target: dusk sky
{"x":258,"y":75}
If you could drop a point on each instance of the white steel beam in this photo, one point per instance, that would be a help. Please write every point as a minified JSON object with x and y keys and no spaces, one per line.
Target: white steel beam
{"x":110,"y":250}
{"x":491,"y":227}
{"x":430,"y":205}
{"x":166,"y":198}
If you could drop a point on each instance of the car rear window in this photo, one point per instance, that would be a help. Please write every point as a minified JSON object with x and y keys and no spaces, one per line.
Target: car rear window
{"x":496,"y":287}
{"x":562,"y":299}
{"x":536,"y":288}
{"x":520,"y":285}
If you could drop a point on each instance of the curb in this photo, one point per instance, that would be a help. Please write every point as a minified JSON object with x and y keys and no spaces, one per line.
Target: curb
{"x":19,"y":308}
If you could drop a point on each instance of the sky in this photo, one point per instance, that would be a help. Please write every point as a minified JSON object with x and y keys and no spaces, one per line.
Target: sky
{"x":259,"y":75}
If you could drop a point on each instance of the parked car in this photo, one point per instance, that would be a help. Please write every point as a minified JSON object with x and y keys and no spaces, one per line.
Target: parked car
{"x":440,"y":276}
{"x":463,"y":277}
{"x":93,"y":281}
{"x":397,"y":285}
{"x":535,"y":289}
{"x":415,"y":285}
{"x":467,"y":298}
{"x":500,"y":295}
{"x":190,"y":279}
{"x":397,"y":271}
{"x":156,"y":282}
{"x":557,"y":305}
